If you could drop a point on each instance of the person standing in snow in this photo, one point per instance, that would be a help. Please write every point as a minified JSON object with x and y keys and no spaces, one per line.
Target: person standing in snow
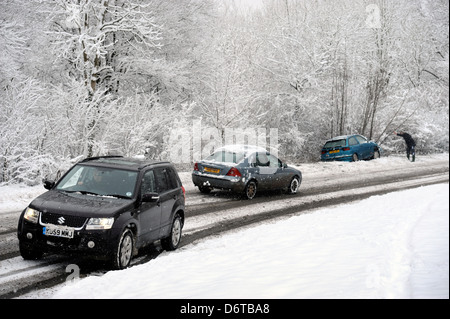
{"x":410,"y":145}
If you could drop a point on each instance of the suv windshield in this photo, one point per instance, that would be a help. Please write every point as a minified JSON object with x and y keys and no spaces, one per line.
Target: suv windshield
{"x":99,"y":181}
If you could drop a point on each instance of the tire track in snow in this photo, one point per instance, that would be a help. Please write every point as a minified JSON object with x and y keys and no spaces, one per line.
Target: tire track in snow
{"x":217,"y":213}
{"x":232,"y":219}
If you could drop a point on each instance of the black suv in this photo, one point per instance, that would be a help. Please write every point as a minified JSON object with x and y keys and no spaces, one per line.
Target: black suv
{"x":108,"y":207}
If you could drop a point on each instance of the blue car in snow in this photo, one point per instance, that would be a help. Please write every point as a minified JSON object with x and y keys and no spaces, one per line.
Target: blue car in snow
{"x":350,"y":148}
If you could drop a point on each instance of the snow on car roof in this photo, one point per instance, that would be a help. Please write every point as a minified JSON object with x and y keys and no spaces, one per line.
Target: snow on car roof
{"x":342,"y":137}
{"x":244,"y":148}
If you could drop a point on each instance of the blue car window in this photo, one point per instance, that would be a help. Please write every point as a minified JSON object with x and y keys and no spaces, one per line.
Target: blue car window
{"x":361,"y":139}
{"x":352,"y":141}
{"x":334,"y":143}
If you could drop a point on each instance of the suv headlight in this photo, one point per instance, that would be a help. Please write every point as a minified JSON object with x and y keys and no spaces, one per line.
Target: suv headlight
{"x":31,"y":215}
{"x":99,"y":223}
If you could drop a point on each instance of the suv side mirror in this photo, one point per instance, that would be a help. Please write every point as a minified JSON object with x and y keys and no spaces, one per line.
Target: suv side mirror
{"x":48,"y":184}
{"x":150,"y":197}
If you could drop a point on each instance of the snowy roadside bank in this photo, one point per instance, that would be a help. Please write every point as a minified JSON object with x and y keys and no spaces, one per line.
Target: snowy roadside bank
{"x":390,"y":246}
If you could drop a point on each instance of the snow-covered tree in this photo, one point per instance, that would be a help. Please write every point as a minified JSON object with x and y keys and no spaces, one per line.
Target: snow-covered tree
{"x":103,"y":41}
{"x":91,"y":77}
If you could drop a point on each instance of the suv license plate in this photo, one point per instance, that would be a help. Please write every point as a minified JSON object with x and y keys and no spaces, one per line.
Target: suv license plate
{"x":56,"y":231}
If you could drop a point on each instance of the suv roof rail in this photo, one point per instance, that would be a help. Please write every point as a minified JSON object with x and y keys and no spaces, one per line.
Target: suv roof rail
{"x":144,"y":165}
{"x":99,"y":157}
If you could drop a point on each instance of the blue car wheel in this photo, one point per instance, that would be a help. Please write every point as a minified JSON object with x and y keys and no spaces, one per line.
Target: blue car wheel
{"x":376,"y":154}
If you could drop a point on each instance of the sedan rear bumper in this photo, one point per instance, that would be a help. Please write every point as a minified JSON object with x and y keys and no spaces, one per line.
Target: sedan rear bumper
{"x":235,"y":184}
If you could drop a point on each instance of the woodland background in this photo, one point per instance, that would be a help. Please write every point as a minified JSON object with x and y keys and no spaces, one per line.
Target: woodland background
{"x":94,"y":77}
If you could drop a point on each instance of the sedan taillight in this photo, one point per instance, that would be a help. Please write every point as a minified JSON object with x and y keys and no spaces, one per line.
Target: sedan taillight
{"x":196,"y":167}
{"x":234,"y":172}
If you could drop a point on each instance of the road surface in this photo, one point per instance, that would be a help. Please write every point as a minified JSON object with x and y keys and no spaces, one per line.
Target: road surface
{"x":324,"y":184}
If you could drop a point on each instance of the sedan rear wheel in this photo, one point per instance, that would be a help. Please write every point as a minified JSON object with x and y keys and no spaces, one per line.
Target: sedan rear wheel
{"x":294,"y":185}
{"x":355,"y":157}
{"x":205,"y":190}
{"x":250,"y":190}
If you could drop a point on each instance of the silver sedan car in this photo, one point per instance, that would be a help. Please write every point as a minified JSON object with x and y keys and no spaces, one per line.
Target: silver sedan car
{"x":244,"y":169}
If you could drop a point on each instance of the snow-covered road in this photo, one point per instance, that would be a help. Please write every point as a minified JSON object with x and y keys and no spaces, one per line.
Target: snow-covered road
{"x":324,"y":184}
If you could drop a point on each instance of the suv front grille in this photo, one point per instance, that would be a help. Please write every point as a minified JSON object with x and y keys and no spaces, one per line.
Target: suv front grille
{"x":63,"y":220}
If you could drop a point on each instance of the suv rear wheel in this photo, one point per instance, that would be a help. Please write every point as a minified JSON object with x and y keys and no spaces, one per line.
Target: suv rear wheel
{"x":173,"y":241}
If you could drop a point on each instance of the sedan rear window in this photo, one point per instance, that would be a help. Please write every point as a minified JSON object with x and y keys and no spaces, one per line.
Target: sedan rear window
{"x":335,"y":143}
{"x":226,"y":157}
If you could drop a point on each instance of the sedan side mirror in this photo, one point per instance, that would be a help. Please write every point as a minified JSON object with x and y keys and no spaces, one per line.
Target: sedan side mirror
{"x":150,"y":197}
{"x":48,"y":184}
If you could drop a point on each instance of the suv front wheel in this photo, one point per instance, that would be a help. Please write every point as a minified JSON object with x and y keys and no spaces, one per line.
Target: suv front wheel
{"x":30,"y":252}
{"x":173,"y":241}
{"x":124,"y":250}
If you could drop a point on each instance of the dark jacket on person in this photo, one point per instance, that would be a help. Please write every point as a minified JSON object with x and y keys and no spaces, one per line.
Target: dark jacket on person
{"x":408,"y":139}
